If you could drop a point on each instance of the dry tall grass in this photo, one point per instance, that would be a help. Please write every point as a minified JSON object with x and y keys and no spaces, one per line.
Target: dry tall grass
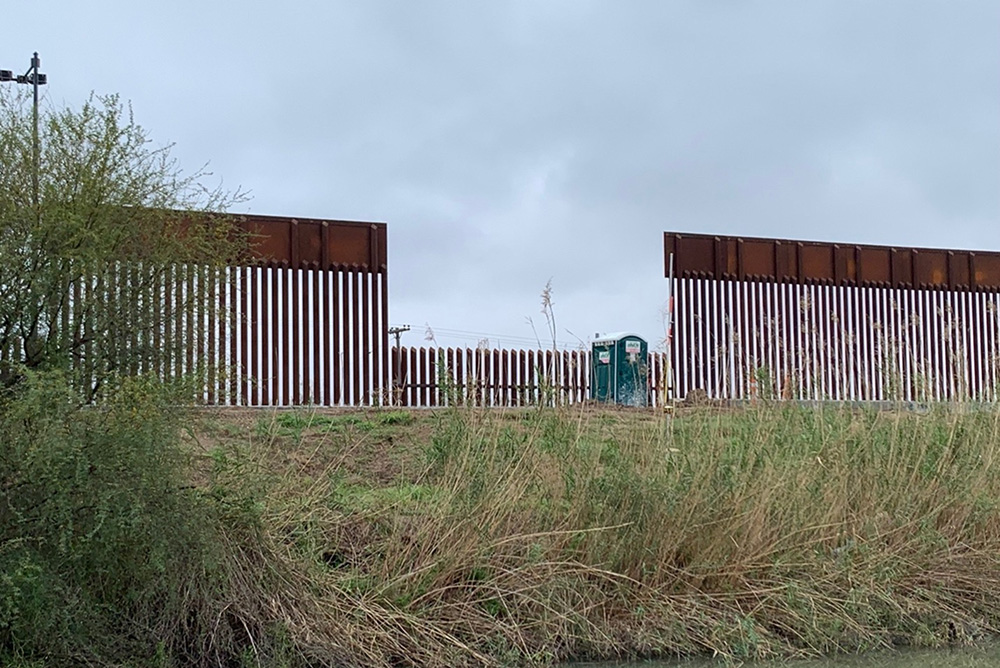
{"x":532,"y":537}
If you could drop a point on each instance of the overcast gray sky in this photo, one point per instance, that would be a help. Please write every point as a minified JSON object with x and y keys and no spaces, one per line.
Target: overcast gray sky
{"x":509,"y":143}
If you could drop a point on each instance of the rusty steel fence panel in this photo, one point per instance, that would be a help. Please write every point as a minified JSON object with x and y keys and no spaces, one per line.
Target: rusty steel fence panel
{"x":429,"y":377}
{"x":811,"y":321}
{"x":309,"y":315}
{"x":303,"y":321}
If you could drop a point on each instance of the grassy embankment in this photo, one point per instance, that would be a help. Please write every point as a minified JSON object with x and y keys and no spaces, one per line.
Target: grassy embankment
{"x":466,"y":536}
{"x":469,"y":535}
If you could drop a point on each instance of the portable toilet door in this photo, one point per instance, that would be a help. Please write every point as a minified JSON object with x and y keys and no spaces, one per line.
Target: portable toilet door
{"x":632,"y":386}
{"x":603,"y":370}
{"x":620,"y":370}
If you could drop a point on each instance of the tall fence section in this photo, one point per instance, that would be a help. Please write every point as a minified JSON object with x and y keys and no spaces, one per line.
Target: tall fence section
{"x":304,"y":321}
{"x":819,"y":321}
{"x":426,"y":377}
{"x":311,"y":316}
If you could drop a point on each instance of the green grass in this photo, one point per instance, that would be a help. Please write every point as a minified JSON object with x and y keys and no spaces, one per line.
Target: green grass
{"x":294,"y":424}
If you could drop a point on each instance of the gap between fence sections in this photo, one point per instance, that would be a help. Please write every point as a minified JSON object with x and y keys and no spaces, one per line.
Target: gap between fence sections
{"x":429,"y":377}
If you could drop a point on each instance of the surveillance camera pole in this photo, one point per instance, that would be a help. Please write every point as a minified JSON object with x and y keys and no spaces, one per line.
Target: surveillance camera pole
{"x":36,"y":79}
{"x":36,"y":62}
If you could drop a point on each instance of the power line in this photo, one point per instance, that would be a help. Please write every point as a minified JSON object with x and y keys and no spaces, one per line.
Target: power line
{"x":465,"y":334}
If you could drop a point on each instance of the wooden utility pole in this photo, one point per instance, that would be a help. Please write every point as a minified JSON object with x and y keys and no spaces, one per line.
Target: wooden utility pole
{"x":397,"y":359}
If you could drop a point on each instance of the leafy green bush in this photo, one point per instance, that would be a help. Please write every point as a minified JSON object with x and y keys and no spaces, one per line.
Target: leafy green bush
{"x":106,"y":552}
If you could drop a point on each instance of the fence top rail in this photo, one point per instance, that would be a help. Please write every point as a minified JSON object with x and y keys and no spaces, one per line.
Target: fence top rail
{"x":309,"y":243}
{"x":719,"y":257}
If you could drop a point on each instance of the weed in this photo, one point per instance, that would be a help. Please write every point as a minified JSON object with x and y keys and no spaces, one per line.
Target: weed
{"x":394,"y":418}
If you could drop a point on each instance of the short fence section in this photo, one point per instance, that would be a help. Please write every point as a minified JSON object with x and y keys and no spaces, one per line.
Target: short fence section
{"x":427,"y":377}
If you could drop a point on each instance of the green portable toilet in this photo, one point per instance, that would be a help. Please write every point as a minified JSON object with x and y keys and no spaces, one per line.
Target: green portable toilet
{"x":619,"y":371}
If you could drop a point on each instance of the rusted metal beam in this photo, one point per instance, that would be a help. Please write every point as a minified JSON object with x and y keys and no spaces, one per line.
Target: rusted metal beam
{"x":819,"y":263}
{"x":302,"y":243}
